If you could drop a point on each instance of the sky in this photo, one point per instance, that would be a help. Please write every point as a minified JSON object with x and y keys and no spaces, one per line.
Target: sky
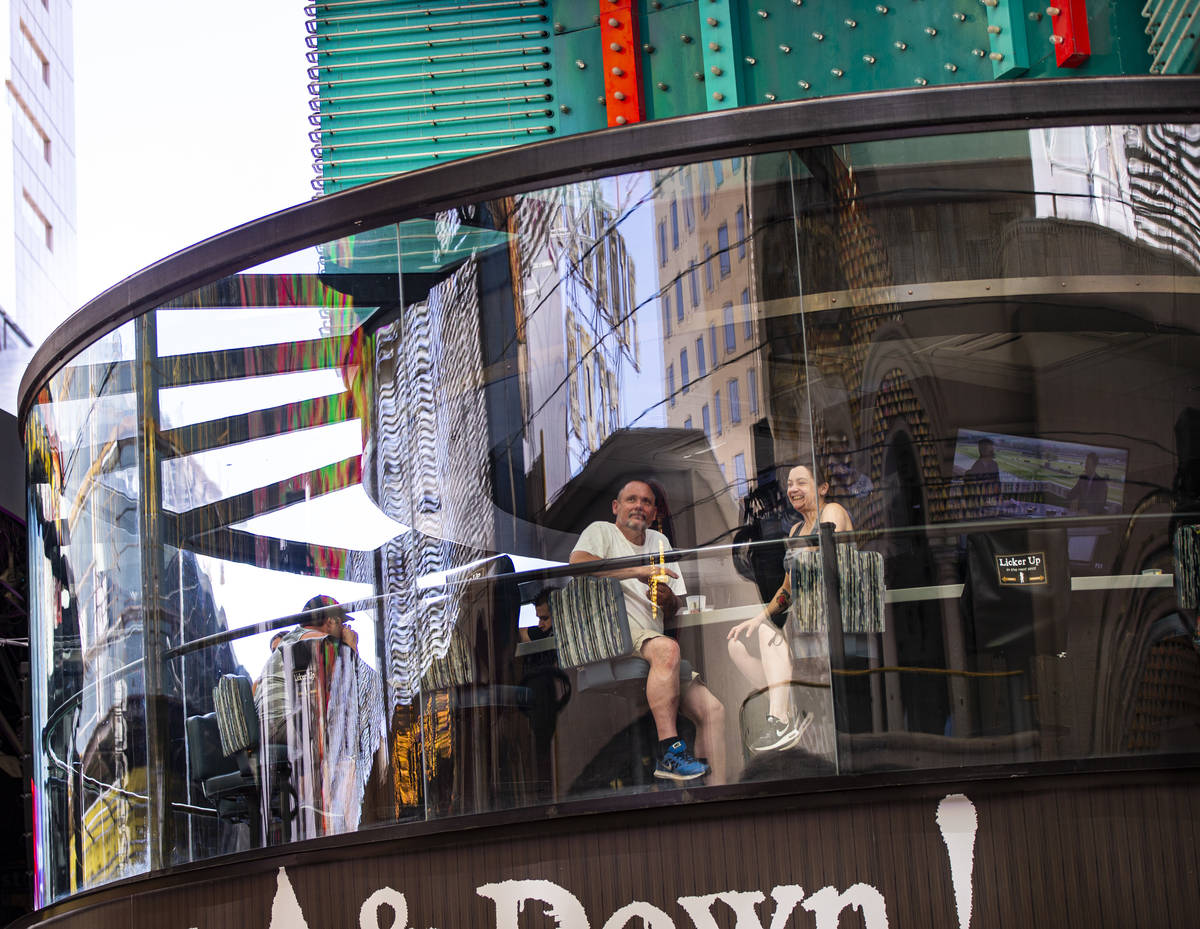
{"x":190,"y":119}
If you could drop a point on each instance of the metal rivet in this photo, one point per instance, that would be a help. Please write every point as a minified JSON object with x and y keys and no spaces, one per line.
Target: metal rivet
{"x":851,"y":23}
{"x":1035,"y":17}
{"x":869,"y":59}
{"x":996,"y":56}
{"x":797,"y":2}
{"x":819,"y":36}
{"x":648,"y":49}
{"x":1052,"y":11}
{"x":994,"y":30}
{"x":711,"y":21}
{"x":615,"y":46}
{"x":564,"y":108}
{"x":750,"y":60}
{"x":717,"y":71}
{"x":920,"y":82}
{"x":881,"y":10}
{"x":804,"y":85}
{"x":978,"y":53}
{"x":685,"y":39}
{"x":786,"y":49}
{"x":960,"y":17}
{"x":613,"y":22}
{"x":1057,"y":39}
{"x":763,"y":14}
{"x":618,"y":95}
{"x":662,"y":86}
{"x":930,"y":31}
{"x":698,"y":76}
{"x":950,"y":67}
{"x":617,"y":72}
{"x":580,"y":63}
{"x":769,"y":96}
{"x":621,"y":120}
{"x":602,"y":101}
{"x":560,"y":28}
{"x":714,"y":47}
{"x":901,"y":46}
{"x":718,"y":96}
{"x":837,"y":72}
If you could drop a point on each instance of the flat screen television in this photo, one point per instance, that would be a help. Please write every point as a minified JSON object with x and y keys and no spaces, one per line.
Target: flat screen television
{"x":1011,"y":476}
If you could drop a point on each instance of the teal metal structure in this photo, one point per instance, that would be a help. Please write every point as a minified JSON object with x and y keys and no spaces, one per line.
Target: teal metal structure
{"x":401,"y":84}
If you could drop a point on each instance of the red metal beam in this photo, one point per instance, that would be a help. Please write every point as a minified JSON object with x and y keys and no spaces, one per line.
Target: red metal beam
{"x":1072,"y":46}
{"x":622,"y":62}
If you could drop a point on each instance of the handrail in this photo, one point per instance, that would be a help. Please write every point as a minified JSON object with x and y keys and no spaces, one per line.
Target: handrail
{"x":644,"y":146}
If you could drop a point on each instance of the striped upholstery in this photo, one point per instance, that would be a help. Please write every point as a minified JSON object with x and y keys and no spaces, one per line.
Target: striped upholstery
{"x":1187,"y":566}
{"x":237,"y":719}
{"x":590,"y":624}
{"x":860,"y":576}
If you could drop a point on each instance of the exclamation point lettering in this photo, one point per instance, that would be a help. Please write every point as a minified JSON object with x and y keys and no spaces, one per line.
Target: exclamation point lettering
{"x":957,"y":820}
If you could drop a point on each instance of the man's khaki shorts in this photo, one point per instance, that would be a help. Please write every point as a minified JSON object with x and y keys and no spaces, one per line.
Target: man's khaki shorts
{"x":642,"y":636}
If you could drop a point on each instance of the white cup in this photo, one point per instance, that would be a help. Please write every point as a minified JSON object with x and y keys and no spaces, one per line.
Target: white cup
{"x":696,"y":603}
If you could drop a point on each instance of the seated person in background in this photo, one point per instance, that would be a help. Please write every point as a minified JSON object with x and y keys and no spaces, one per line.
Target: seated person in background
{"x":1090,"y":493}
{"x":543,"y":630}
{"x":325,"y":618}
{"x":771,"y":668}
{"x":648,"y":601}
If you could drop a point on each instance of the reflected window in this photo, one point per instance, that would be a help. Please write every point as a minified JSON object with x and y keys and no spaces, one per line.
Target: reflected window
{"x":739,"y":473}
{"x":747,"y":320}
{"x":752,"y":391}
{"x":671,"y":383}
{"x":735,"y":402}
{"x":684,"y":376}
{"x":740,"y":229}
{"x":712,"y":345}
{"x":701,"y":365}
{"x":667,"y":314}
{"x":719,"y":172}
{"x":694,"y":281}
{"x":708,"y":270}
{"x":717,"y":410}
{"x":679,"y":298}
{"x":674,"y":224}
{"x":662,"y":244}
{"x":706,"y":419}
{"x":730,"y":330}
{"x":723,"y":249}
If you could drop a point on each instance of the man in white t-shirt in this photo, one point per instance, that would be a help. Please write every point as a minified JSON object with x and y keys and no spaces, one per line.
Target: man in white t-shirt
{"x":648,"y":601}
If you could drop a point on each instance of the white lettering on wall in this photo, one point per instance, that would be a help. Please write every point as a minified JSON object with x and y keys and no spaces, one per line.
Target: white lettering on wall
{"x":285,"y":908}
{"x":957,"y":820}
{"x":510,"y":896}
{"x":828,"y":904}
{"x":368,"y":916}
{"x":652,"y":917}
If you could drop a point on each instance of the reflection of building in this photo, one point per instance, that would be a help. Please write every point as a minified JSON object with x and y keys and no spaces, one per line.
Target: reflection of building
{"x":579,"y":292}
{"x":712,"y":351}
{"x":37,"y":164}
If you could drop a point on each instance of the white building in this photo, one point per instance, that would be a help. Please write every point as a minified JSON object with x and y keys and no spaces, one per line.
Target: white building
{"x":37,"y":169}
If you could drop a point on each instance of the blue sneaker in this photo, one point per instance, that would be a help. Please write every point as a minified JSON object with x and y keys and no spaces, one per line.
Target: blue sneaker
{"x":677,"y":764}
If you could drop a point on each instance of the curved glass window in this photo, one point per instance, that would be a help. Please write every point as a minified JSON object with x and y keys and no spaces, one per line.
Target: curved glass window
{"x":926,"y":500}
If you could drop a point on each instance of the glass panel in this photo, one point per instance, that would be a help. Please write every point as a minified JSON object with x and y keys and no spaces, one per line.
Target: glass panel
{"x":1002,"y":383}
{"x":86,"y":622}
{"x":934,"y":507}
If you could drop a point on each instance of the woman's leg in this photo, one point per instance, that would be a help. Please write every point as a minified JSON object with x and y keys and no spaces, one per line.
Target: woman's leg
{"x":748,"y":663}
{"x":776,"y":665}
